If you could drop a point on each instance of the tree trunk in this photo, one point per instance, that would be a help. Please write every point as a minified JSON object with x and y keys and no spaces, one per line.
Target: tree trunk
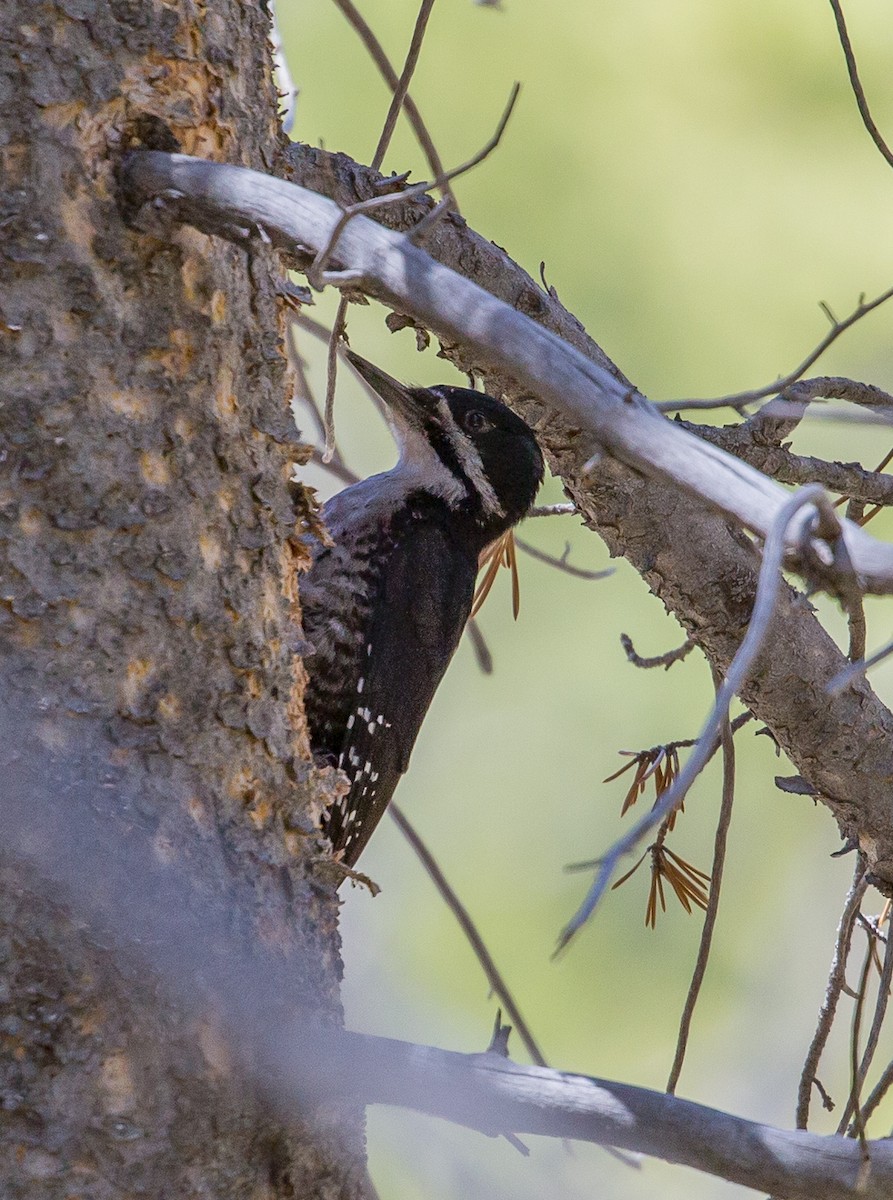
{"x":149,"y":604}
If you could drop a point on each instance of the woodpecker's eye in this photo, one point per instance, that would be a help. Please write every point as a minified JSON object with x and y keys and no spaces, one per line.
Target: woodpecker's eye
{"x":475,"y":421}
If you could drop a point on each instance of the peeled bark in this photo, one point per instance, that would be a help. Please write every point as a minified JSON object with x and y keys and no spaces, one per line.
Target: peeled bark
{"x":148,"y":605}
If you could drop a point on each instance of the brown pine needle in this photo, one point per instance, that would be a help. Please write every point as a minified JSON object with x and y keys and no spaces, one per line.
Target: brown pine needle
{"x":500,"y":553}
{"x":689,"y":883}
{"x":511,"y":561}
{"x":660,"y":763}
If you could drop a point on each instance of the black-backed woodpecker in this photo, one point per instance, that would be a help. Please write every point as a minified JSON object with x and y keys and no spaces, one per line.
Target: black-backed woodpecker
{"x":384,"y":605}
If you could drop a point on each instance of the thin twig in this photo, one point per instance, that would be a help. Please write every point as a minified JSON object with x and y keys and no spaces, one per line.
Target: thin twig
{"x":400,"y":91}
{"x":833,"y":989}
{"x":880,"y":1012}
{"x":716,"y":872}
{"x":336,"y":467}
{"x":561,"y":564}
{"x":853,"y":1106}
{"x":413,"y":115}
{"x":757,"y":441}
{"x":739,"y":669}
{"x":338,"y":328}
{"x":553,"y":510}
{"x":846,"y":416}
{"x":652,"y":758}
{"x":878,"y":1092}
{"x":659,"y":660}
{"x":304,"y":321}
{"x":316,"y":272}
{"x":880,"y":1009}
{"x":307,"y":397}
{"x":848,"y":674}
{"x":738,"y":400}
{"x":482,"y":654}
{"x":472,"y":935}
{"x":856,"y":84}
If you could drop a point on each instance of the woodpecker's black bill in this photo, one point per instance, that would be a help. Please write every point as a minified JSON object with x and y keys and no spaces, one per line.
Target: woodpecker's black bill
{"x":402,"y":402}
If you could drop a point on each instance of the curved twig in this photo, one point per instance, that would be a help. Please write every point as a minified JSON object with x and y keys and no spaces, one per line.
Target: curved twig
{"x":739,"y":400}
{"x":767,"y":589}
{"x":471,"y":933}
{"x":381,"y":60}
{"x":856,"y":84}
{"x":716,"y":873}
{"x":835,"y":985}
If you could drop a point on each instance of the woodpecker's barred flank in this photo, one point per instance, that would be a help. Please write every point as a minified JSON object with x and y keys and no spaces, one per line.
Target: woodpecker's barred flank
{"x":384,"y":605}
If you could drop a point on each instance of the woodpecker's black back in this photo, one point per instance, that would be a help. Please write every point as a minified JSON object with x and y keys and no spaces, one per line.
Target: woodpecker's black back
{"x":385,"y":605}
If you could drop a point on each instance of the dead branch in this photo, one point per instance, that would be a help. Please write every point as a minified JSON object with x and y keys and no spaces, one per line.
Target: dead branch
{"x":470,"y":931}
{"x":739,"y":400}
{"x":660,"y":660}
{"x":381,"y":60}
{"x":716,"y":873}
{"x":848,"y":479}
{"x":402,"y":88}
{"x":836,"y":984}
{"x":401,"y":274}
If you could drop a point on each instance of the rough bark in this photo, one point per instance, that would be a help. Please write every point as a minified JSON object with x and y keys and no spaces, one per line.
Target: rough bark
{"x":148,"y":606}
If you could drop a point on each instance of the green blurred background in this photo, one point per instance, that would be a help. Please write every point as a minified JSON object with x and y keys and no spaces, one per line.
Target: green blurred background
{"x":696,"y":178}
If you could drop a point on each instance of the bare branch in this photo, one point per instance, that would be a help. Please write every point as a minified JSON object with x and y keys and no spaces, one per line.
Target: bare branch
{"x":553,"y":510}
{"x":835,"y":985}
{"x":381,"y":60}
{"x":853,"y":1104}
{"x":400,"y":91}
{"x":338,"y":327}
{"x":406,"y":278}
{"x":316,"y":272}
{"x":861,"y":1066}
{"x":471,"y":933}
{"x":878,"y":1092}
{"x":749,"y":444}
{"x":561,"y":564}
{"x":716,"y":873}
{"x":855,"y":83}
{"x":839,"y":682}
{"x":880,"y":1010}
{"x":854,"y":601}
{"x":660,"y":660}
{"x":739,"y":400}
{"x":336,"y":467}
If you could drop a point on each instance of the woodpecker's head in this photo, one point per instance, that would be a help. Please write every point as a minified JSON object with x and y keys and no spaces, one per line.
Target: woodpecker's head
{"x":462,"y":445}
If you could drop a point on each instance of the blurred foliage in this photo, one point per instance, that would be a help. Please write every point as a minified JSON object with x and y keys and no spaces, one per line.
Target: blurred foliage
{"x":697,"y":179}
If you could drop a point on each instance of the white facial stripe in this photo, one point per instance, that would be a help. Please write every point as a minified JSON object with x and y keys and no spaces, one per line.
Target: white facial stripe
{"x":470,"y":460}
{"x":419,"y":460}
